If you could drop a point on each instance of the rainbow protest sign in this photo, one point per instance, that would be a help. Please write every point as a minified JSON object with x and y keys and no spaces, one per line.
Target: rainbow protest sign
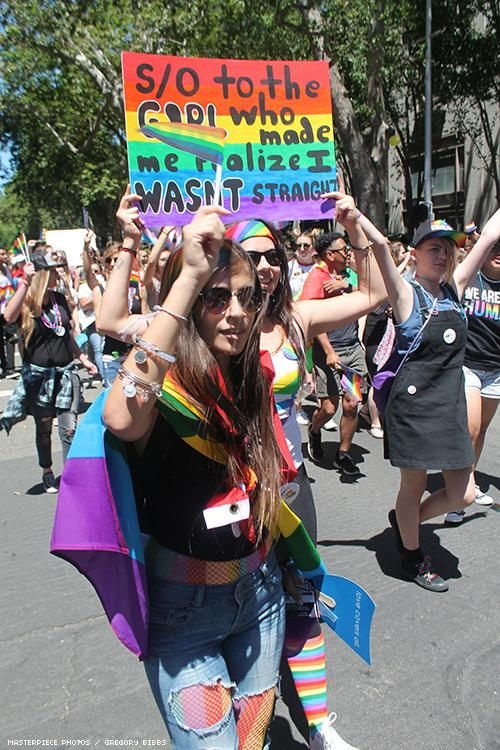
{"x":266,"y":125}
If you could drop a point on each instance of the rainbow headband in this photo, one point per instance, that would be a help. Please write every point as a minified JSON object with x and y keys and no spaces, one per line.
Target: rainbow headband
{"x":245,"y":230}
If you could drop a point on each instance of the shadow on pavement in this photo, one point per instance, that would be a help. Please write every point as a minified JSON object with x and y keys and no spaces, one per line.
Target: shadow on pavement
{"x":36,"y":489}
{"x":387,"y":556}
{"x":330,"y":449}
{"x":485,"y":481}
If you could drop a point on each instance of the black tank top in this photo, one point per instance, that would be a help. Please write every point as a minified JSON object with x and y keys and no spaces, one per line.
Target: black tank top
{"x":173,"y":483}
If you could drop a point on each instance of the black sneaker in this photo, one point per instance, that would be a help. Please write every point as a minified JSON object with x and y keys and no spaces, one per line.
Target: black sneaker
{"x":314,"y":446}
{"x":49,"y":483}
{"x":346,"y":465}
{"x":394,"y":523}
{"x":424,"y":575}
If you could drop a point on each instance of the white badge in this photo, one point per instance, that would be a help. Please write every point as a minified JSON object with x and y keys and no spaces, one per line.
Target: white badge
{"x":289,"y":492}
{"x":60,"y":331}
{"x":449,"y":335}
{"x":411,"y":390}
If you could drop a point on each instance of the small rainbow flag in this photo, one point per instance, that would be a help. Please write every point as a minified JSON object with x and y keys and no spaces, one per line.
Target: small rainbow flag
{"x":135,"y":278}
{"x":20,"y":246}
{"x":470,"y":228}
{"x":199,"y":140}
{"x":352,"y":382}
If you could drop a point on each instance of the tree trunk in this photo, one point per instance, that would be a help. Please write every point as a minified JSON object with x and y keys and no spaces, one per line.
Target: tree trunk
{"x":366,"y":154}
{"x":369,"y":178}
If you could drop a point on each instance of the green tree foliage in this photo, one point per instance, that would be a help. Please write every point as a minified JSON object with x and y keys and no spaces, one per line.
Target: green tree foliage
{"x":61,"y":91}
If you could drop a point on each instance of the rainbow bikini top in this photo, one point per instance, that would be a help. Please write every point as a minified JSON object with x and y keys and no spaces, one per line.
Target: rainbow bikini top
{"x":287,"y":381}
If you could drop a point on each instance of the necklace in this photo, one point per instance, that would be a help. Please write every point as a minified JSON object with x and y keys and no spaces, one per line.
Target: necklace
{"x":56,"y":324}
{"x":282,"y":341}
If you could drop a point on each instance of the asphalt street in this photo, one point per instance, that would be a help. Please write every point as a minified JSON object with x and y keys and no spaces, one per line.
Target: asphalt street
{"x":66,"y":681}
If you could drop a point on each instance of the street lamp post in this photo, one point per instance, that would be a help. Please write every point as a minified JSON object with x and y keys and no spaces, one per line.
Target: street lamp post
{"x":428,"y":111}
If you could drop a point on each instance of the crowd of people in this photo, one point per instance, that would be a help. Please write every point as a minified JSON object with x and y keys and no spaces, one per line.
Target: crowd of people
{"x":216,"y":317}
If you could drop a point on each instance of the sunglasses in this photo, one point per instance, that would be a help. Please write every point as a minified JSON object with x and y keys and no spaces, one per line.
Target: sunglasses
{"x":305,"y":245}
{"x":343,"y":253}
{"x":217,"y":299}
{"x":111,"y":260}
{"x":272,"y":257}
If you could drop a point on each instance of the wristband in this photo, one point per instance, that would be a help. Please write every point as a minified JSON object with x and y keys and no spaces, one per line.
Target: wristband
{"x":129,"y":250}
{"x":365,"y":249}
{"x":146,"y":348}
{"x":172,"y":314}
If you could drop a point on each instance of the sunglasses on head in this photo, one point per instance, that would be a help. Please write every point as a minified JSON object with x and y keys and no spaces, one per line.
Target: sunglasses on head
{"x":217,"y":299}
{"x":272,"y":257}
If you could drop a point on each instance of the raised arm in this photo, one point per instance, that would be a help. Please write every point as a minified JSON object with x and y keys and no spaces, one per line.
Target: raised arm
{"x":479,"y":253}
{"x":131,"y":418}
{"x":90,"y":276}
{"x":14,"y":305}
{"x":113,"y":313}
{"x":398,"y":289}
{"x":320,"y":316}
{"x":154,"y":255}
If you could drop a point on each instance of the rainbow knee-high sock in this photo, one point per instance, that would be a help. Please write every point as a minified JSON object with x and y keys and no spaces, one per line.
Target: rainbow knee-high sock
{"x":309,"y":675}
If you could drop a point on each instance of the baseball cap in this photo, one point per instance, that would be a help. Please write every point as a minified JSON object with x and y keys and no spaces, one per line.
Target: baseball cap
{"x":44,"y":261}
{"x":437,"y":228}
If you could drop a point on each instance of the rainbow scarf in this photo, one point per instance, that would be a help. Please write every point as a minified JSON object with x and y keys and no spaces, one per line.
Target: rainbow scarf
{"x":201,"y":141}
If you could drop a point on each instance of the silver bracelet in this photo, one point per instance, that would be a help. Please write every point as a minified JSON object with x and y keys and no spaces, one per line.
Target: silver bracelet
{"x":145,"y":348}
{"x":176,"y":316}
{"x":133,"y":385}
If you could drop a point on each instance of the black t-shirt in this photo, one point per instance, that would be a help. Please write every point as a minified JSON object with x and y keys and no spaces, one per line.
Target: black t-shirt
{"x":173,"y":484}
{"x":482,"y":304}
{"x":45,"y":348}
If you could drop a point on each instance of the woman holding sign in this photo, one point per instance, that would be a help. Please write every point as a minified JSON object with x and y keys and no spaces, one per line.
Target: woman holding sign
{"x":193,"y":405}
{"x":286,"y":328}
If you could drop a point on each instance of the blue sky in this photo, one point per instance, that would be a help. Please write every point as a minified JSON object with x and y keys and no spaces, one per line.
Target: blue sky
{"x":5,"y":170}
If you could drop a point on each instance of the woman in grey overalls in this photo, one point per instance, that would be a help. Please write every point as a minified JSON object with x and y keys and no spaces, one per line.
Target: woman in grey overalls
{"x":426,"y":416}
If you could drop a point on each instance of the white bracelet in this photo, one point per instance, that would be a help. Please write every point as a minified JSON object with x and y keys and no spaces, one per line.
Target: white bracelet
{"x":176,"y":316}
{"x":145,"y":348}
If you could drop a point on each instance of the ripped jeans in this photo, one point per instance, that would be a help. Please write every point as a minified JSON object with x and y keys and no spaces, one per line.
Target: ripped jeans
{"x":214,"y":658}
{"x":66,"y":425}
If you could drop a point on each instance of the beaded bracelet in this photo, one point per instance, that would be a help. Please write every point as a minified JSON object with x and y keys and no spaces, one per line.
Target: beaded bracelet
{"x":133,"y":385}
{"x":172,"y":314}
{"x":145,"y":348}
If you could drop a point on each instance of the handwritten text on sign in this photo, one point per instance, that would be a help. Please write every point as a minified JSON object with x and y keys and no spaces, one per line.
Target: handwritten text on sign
{"x":278,"y":154}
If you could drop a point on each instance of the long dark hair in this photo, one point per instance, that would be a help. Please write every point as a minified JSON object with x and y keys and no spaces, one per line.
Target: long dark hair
{"x":251,"y":442}
{"x":280,"y":305}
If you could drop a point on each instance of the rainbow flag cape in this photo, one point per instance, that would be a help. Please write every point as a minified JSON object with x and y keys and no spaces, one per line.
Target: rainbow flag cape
{"x":96,"y":527}
{"x":352,"y":382}
{"x":199,"y":140}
